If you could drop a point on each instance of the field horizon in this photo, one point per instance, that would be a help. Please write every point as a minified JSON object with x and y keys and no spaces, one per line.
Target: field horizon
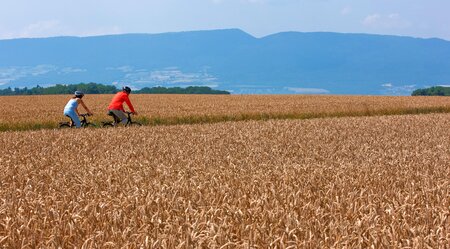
{"x":173,"y":109}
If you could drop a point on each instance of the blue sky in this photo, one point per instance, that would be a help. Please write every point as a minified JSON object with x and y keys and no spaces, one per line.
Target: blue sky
{"x":44,"y":18}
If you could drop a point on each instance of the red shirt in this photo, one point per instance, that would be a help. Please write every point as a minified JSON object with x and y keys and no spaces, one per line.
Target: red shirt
{"x":117,"y":102}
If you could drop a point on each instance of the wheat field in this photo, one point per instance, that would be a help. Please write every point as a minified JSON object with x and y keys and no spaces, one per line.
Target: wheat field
{"x":35,"y":112}
{"x":367,"y":182}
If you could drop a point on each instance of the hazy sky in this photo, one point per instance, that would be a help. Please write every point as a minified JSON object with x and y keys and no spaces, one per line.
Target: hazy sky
{"x":43,"y":18}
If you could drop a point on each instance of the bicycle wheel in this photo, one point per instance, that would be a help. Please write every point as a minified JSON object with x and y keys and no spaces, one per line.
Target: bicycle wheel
{"x":135,"y":124}
{"x":91,"y":125}
{"x":107,"y":124}
{"x":64,"y":125}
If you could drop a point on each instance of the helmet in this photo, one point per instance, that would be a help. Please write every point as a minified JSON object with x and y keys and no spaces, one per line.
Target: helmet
{"x":126,"y":89}
{"x":79,"y":94}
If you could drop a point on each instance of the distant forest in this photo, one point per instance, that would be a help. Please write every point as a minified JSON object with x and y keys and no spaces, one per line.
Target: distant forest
{"x":95,"y":88}
{"x":432,"y":91}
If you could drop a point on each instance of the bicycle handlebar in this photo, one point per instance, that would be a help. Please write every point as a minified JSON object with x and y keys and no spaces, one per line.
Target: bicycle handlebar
{"x":85,"y":115}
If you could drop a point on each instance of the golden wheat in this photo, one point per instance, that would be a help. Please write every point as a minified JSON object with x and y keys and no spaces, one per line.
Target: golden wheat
{"x":46,"y":111}
{"x":380,"y":182}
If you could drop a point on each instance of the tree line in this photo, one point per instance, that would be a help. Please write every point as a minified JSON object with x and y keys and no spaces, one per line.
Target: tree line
{"x":95,"y":88}
{"x":432,"y":91}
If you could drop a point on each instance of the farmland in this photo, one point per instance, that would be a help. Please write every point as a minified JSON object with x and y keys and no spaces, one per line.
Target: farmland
{"x":335,"y":182}
{"x":35,"y":112}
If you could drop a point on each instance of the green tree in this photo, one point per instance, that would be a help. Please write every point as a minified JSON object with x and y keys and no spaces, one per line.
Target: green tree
{"x":432,"y":91}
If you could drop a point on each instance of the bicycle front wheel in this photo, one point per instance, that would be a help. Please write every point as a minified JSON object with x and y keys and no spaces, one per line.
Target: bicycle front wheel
{"x":92,"y":125}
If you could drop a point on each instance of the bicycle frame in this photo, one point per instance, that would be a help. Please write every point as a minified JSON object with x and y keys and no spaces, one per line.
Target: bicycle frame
{"x":117,"y":120}
{"x":83,"y":121}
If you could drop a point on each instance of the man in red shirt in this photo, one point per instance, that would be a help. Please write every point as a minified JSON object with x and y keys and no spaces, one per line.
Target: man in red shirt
{"x":116,"y":105}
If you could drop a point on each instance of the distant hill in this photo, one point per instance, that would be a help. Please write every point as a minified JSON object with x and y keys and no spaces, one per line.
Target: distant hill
{"x":94,"y":88}
{"x":432,"y":91}
{"x":290,"y":62}
{"x":180,"y":90}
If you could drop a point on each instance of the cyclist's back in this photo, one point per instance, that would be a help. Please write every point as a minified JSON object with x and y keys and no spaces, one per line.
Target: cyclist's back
{"x":71,"y":105}
{"x":116,"y":105}
{"x":117,"y":102}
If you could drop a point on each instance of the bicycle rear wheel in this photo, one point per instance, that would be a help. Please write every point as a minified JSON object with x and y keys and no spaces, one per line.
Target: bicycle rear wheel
{"x":134,"y":124}
{"x":107,"y":124}
{"x":64,"y":125}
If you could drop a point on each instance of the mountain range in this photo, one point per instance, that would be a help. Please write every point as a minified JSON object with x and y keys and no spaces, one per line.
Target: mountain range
{"x":232,"y":60}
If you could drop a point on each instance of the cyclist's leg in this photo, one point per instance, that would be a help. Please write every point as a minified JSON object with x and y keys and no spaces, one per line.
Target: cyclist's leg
{"x":74,"y":118}
{"x":121,"y":115}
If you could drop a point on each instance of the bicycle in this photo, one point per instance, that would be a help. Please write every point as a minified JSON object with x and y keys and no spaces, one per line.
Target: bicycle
{"x":84,"y":122}
{"x":116,"y":121}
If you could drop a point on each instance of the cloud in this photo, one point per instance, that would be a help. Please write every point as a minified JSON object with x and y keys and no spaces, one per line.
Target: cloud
{"x":371,"y":20}
{"x":390,"y":89}
{"x":110,"y":30}
{"x":346,"y":11}
{"x":68,"y":70}
{"x":244,"y":1}
{"x":42,"y":28}
{"x":5,"y":81}
{"x":391,"y":21}
{"x":51,"y":28}
{"x":124,"y":69}
{"x":307,"y":90}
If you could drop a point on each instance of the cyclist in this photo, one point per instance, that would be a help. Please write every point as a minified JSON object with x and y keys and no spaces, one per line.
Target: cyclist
{"x":116,"y":105}
{"x":71,"y":108}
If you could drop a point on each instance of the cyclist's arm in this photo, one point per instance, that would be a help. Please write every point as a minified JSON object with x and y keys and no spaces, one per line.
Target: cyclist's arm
{"x":127,"y":100}
{"x":85,"y":107}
